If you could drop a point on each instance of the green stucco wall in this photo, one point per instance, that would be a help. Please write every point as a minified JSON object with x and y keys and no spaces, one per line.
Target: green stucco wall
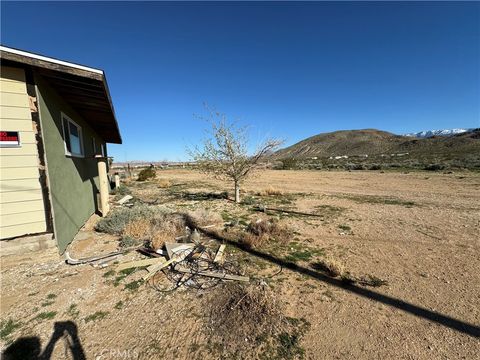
{"x":73,"y":182}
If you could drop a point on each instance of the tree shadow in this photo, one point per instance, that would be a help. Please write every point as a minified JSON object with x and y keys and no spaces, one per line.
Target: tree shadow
{"x":29,"y":348}
{"x":199,"y":196}
{"x":433,"y":316}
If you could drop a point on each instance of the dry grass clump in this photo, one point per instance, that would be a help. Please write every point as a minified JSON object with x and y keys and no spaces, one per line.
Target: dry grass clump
{"x":270,"y":191}
{"x":138,"y":229}
{"x":117,"y":220}
{"x":335,"y":268}
{"x":143,"y":223}
{"x":331,"y":266}
{"x":261,"y":230}
{"x":166,"y":230}
{"x":164,"y":183}
{"x":204,"y":217}
{"x":241,"y":317}
{"x":146,"y":174}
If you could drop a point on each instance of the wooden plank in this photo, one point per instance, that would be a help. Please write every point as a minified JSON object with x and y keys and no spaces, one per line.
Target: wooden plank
{"x":214,"y":274}
{"x":124,"y":199}
{"x":219,"y":255}
{"x":50,"y":65}
{"x":177,"y":248}
{"x":22,"y":229}
{"x":13,"y":74}
{"x":157,"y":268}
{"x":140,"y":263}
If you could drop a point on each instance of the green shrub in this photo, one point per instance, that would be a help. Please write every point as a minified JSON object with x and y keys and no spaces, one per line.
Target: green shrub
{"x":7,"y":327}
{"x":146,"y":174}
{"x":434,"y":167}
{"x":122,"y":190}
{"x":289,"y":164}
{"x":354,"y":167}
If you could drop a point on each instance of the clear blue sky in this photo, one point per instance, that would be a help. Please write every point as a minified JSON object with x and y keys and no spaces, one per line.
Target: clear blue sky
{"x":289,"y":70}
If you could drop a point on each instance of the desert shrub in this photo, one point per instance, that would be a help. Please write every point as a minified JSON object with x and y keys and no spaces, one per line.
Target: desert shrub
{"x":289,"y":164}
{"x":354,"y":167}
{"x":204,"y":217}
{"x":248,"y":200}
{"x":164,"y":183}
{"x":166,"y":229}
{"x":240,"y":316}
{"x":259,"y":231}
{"x":138,"y":229}
{"x":372,"y":280}
{"x":117,"y":220}
{"x":146,"y":174}
{"x":127,"y":241}
{"x":375,"y":167}
{"x":331,"y":266}
{"x":270,"y":191}
{"x":434,"y":167}
{"x":122,"y":190}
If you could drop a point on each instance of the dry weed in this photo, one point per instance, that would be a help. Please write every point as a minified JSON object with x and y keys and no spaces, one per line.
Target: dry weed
{"x":204,"y":217}
{"x":241,"y":315}
{"x":166,"y":229}
{"x":138,"y":229}
{"x":270,"y":191}
{"x":164,"y":183}
{"x":261,"y":230}
{"x":331,"y":266}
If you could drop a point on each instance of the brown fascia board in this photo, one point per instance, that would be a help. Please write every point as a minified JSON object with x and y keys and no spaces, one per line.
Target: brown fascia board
{"x":40,"y":61}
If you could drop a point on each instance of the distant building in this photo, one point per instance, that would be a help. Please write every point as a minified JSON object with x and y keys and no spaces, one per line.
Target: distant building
{"x":55,"y":120}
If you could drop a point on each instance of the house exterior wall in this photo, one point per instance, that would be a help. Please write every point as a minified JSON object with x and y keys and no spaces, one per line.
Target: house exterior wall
{"x":22,"y":209}
{"x":73,"y":181}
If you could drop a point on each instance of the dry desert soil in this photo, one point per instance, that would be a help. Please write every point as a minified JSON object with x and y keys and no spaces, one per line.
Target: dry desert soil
{"x":415,"y":234}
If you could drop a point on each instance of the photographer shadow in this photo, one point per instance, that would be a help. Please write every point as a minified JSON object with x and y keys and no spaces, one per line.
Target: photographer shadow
{"x":29,"y":348}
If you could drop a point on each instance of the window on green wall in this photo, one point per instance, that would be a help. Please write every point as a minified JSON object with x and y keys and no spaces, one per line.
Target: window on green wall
{"x":72,"y":137}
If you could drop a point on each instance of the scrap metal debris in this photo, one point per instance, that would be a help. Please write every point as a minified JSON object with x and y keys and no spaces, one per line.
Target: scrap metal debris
{"x":95,"y":259}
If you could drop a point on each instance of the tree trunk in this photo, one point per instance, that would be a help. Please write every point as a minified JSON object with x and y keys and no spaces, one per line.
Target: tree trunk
{"x":237,"y":192}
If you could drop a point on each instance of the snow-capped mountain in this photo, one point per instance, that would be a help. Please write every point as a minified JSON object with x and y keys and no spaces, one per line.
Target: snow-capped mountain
{"x":444,"y":132}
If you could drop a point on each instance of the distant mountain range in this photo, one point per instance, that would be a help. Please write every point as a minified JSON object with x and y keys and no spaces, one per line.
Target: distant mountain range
{"x":444,"y":132}
{"x":372,"y":142}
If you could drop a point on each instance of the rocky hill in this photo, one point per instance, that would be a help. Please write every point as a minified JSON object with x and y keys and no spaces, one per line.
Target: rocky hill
{"x":375,"y":146}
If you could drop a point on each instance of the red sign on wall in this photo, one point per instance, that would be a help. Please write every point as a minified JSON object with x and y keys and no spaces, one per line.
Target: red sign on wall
{"x":9,"y":138}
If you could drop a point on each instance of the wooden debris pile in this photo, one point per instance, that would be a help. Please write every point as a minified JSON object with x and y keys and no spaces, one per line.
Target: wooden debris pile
{"x":193,"y":264}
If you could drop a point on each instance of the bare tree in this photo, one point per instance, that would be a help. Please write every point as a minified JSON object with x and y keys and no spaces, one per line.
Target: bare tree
{"x":224,"y":153}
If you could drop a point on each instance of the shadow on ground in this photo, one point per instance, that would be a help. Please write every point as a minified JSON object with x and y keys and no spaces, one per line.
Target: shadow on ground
{"x":29,"y":348}
{"x":444,"y":320}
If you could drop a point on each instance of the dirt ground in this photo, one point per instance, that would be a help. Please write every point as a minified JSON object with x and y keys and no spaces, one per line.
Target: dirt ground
{"x":418,"y":231}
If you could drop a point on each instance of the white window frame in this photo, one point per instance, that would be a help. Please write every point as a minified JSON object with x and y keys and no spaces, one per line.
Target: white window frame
{"x":65,"y":134}
{"x":94,"y":145}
